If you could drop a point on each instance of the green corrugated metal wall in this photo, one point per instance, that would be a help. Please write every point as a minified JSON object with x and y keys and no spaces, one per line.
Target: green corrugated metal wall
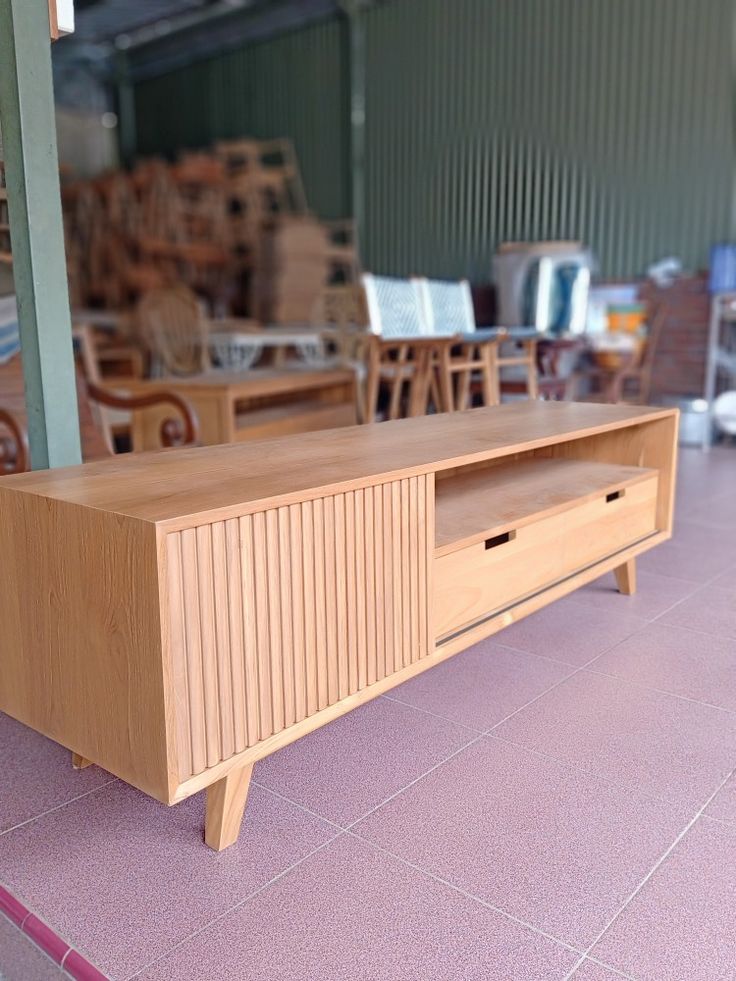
{"x":291,"y":86}
{"x":606,"y":120}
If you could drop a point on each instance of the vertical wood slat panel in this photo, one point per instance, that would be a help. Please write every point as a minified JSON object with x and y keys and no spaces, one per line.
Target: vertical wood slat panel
{"x":177,"y":635}
{"x":276,"y":615}
{"x":193,"y":651}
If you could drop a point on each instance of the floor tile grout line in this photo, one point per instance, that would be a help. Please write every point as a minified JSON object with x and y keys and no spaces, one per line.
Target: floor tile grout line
{"x":721,"y":822}
{"x":660,"y":691}
{"x":462,"y":892}
{"x":657,"y":865}
{"x":301,"y":807}
{"x":694,"y":630}
{"x":562,"y":681}
{"x":386,"y":800}
{"x":58,"y":807}
{"x":397,"y":793}
{"x":608,"y":967}
{"x":241,"y":902}
{"x":434,"y":715}
{"x":584,"y":771}
{"x":519,"y":650}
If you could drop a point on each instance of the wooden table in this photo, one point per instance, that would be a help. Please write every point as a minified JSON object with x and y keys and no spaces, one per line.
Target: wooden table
{"x":175,"y":617}
{"x":264,"y":402}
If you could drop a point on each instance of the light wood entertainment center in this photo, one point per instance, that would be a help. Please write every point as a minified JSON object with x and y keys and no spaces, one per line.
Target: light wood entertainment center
{"x":175,"y":617}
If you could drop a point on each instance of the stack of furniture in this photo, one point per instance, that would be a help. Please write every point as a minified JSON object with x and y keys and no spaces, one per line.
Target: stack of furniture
{"x":230,"y":223}
{"x":291,"y":272}
{"x":721,"y":363}
{"x":273,"y":588}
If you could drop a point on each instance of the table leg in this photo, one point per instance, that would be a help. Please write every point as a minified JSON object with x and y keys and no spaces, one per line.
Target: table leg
{"x":225,"y":806}
{"x":626,"y":577}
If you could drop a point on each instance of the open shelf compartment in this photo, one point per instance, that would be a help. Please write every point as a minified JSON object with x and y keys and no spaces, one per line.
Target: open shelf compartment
{"x":487,"y":504}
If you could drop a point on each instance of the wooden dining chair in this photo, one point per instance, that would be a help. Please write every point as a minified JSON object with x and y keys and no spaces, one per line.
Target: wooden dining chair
{"x":171,"y":323}
{"x":628,"y":381}
{"x":401,"y":352}
{"x":447,"y":307}
{"x":344,"y":312}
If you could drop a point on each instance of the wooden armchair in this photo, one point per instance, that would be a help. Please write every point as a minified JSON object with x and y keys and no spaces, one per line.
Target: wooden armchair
{"x":14,"y":454}
{"x":181,"y":429}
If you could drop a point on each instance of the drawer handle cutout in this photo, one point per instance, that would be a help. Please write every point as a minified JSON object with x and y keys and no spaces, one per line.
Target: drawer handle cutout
{"x":614,"y":496}
{"x":507,"y":536}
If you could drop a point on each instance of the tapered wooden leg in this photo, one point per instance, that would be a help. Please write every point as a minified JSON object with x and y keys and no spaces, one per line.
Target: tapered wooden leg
{"x":445,"y":375}
{"x":225,"y":805}
{"x":626,"y":578}
{"x":79,"y":762}
{"x":489,"y":374}
{"x":530,"y":349}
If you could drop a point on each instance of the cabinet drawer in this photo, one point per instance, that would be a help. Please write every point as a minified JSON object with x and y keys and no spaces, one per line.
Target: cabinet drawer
{"x":477,"y":580}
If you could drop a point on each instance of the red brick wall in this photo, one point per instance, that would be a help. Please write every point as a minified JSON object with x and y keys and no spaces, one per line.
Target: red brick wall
{"x":679,"y":363}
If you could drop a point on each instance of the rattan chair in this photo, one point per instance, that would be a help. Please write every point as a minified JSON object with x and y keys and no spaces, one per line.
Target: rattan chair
{"x":171,"y":323}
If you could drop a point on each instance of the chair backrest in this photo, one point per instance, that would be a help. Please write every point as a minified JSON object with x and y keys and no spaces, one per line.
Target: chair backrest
{"x":341,"y":306}
{"x":447,"y":306}
{"x":394,"y":309}
{"x":9,"y":334}
{"x":171,"y":323}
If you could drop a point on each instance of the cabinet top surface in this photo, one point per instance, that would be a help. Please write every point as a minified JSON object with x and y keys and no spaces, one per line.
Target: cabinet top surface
{"x":170,"y":485}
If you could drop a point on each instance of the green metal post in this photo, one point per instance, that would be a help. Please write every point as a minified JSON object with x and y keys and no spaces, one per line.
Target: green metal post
{"x":37,"y":234}
{"x":127,"y":134}
{"x":357,"y":60}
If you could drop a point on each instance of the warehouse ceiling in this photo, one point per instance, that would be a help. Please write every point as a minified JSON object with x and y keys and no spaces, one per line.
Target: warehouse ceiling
{"x":156,"y":36}
{"x":103,"y":20}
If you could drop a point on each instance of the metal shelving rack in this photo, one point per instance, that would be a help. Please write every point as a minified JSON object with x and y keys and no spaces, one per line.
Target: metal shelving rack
{"x":721,"y":360}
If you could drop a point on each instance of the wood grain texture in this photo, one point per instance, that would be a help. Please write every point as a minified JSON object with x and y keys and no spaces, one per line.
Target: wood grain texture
{"x":487,"y":628}
{"x":184,"y":614}
{"x":626,"y":577}
{"x":261,"y":670}
{"x":472,"y":506}
{"x":81,"y":651}
{"x":226,"y":802}
{"x":219,"y":482}
{"x":477,"y":580}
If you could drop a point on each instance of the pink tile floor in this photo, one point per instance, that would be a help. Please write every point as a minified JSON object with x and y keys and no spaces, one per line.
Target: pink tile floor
{"x":558,"y":802}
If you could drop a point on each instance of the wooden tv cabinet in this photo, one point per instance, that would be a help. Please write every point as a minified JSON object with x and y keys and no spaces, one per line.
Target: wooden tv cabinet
{"x":177,"y":616}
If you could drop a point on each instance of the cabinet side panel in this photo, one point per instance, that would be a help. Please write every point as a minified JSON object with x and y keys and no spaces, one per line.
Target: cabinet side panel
{"x":331,"y":601}
{"x":81,"y":634}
